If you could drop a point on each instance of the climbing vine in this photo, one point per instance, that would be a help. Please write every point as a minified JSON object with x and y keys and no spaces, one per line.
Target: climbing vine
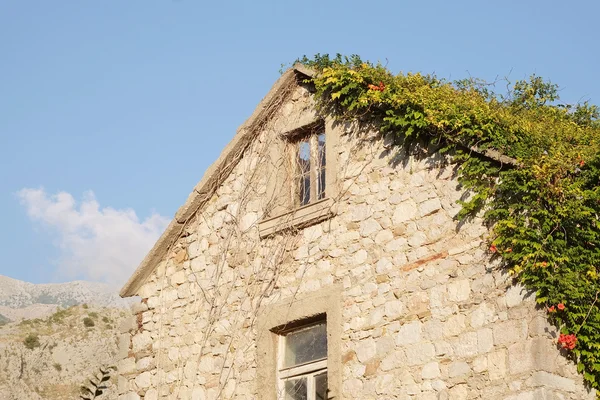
{"x":543,"y":205}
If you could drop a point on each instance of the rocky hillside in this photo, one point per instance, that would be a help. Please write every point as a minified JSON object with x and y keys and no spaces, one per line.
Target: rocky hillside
{"x":50,"y":358}
{"x":20,"y":299}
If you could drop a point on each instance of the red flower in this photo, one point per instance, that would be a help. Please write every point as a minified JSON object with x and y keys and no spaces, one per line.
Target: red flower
{"x":551,"y":309}
{"x":379,"y":88}
{"x":509,"y":250}
{"x":493,"y":248}
{"x":567,"y":341}
{"x":544,"y":264}
{"x":581,"y":163}
{"x":561,"y":306}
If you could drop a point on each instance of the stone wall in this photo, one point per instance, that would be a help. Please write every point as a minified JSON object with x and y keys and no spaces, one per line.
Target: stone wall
{"x":424,"y":313}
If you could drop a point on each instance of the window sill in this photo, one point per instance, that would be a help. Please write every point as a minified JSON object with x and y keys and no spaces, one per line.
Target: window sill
{"x":299,"y":218}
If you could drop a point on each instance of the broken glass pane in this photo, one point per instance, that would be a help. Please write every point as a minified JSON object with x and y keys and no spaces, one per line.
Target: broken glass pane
{"x":295,"y":389}
{"x":321,"y":386}
{"x":306,"y":345}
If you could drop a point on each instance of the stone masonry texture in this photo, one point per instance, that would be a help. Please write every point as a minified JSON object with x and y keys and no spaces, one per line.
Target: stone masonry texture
{"x":426,"y":314}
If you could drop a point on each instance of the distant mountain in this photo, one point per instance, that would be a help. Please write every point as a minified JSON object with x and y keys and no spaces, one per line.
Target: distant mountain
{"x":19,"y":297}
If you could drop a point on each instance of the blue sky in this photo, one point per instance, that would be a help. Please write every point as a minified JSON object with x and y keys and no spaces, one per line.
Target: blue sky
{"x":110,"y":111}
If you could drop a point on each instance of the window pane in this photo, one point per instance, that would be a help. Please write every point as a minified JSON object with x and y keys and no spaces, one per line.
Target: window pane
{"x":321,"y":386}
{"x":303,"y":171}
{"x":322,"y":158}
{"x":322,"y":163}
{"x":306,"y":345}
{"x":303,"y":157}
{"x":321,"y":187}
{"x":304,"y":189}
{"x":295,"y":389}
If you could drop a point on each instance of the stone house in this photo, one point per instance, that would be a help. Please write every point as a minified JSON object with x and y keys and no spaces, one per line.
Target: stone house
{"x":315,"y":260}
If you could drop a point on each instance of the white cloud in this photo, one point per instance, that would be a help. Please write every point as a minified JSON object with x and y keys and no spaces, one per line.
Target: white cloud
{"x":98,"y":244}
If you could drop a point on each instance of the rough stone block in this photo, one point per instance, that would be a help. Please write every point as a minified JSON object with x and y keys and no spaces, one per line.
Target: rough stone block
{"x":394,"y":309}
{"x":420,"y":353}
{"x":124,"y":341}
{"x":365,"y":350}
{"x":515,"y":295}
{"x":459,"y":392}
{"x":143,"y":380}
{"x":548,"y":380}
{"x":454,"y":326}
{"x":482,"y":315}
{"x":153,"y":302}
{"x":458,"y":369}
{"x":178,"y":278}
{"x":141,"y":341}
{"x":151,"y":394}
{"x":409,"y":333}
{"x":194,"y":250}
{"x":198,"y":393}
{"x":485,"y":340}
{"x":404,"y":212}
{"x":384,"y":345}
{"x":430,"y":370}
{"x":147,"y":290}
{"x":532,"y":354}
{"x":480,"y":364}
{"x":145,"y":363}
{"x":429,"y":207}
{"x":466,"y":345}
{"x":496,"y":362}
{"x":459,"y":290}
{"x":128,"y":324}
{"x":443,"y":349}
{"x":510,"y":332}
{"x":539,"y":326}
{"x":126,"y":366}
{"x":138,"y":307}
{"x":369,"y":227}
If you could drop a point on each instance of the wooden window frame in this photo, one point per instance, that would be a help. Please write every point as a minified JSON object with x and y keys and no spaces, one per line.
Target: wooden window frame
{"x":292,"y":313}
{"x":307,"y":370}
{"x":289,"y":215}
{"x":314,"y":167}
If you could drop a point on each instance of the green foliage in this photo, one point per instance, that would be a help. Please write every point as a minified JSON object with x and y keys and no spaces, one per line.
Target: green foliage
{"x":30,"y":322}
{"x":96,"y":385}
{"x":31,"y":341}
{"x":88,"y":322}
{"x":59,"y":315}
{"x":543,"y":207}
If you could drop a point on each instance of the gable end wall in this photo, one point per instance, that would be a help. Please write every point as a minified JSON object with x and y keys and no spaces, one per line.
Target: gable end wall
{"x":423,"y":313}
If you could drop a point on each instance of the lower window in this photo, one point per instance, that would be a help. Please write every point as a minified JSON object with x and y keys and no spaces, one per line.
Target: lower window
{"x":302,"y":362}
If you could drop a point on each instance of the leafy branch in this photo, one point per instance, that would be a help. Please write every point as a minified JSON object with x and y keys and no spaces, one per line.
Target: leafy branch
{"x":531,"y":164}
{"x":97,"y":384}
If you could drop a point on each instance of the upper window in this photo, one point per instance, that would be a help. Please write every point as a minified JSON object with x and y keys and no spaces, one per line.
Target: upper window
{"x":309,"y":168}
{"x":302,"y":183}
{"x":302,"y":362}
